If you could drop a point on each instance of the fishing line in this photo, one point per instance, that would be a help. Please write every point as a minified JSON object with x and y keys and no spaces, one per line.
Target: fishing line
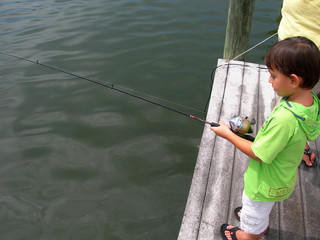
{"x":226,"y":63}
{"x":110,"y":86}
{"x":161,"y":99}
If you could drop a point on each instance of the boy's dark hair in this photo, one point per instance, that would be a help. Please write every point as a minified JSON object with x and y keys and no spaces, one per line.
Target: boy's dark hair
{"x":296,"y":55}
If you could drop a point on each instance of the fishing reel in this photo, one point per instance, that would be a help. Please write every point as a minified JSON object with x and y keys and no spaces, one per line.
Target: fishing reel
{"x":241,"y":126}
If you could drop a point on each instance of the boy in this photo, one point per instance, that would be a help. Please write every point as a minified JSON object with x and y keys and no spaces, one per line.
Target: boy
{"x":294,"y":66}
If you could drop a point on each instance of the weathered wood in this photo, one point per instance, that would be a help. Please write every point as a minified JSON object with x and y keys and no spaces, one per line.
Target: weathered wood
{"x":192,"y":217}
{"x":310,"y":191}
{"x":242,"y":89}
{"x":219,"y":182}
{"x":238,"y":28}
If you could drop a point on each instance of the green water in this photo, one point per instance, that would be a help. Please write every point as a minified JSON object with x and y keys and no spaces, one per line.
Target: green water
{"x":80,"y":161}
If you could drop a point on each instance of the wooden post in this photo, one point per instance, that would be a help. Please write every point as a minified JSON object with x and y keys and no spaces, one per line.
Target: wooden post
{"x":238,"y":28}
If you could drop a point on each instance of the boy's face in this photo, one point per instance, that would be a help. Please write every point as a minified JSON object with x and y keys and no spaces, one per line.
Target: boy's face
{"x":280,"y":83}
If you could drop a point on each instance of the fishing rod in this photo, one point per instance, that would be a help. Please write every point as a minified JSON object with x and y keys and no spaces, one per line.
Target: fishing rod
{"x":110,"y":86}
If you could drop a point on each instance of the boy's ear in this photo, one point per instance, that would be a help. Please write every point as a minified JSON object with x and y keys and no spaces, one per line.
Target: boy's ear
{"x":296,"y":81}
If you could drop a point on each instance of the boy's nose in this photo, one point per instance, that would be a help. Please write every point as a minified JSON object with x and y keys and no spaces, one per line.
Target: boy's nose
{"x":270,"y":79}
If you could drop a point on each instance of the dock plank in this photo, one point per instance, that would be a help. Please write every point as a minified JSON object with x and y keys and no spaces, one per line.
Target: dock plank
{"x":242,"y":88}
{"x":219,"y":182}
{"x":310,"y":191}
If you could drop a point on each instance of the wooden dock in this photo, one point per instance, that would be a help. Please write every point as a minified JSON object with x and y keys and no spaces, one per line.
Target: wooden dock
{"x":243,"y":89}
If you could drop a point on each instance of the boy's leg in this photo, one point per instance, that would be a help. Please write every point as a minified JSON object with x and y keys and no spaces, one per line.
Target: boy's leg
{"x":255,"y":216}
{"x":232,"y":232}
{"x":254,"y":220}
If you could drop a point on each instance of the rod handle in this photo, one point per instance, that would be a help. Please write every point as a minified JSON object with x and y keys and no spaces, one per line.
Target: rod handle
{"x":213,"y":124}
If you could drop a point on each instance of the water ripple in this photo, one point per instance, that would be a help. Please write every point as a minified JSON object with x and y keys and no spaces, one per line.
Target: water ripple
{"x":79,"y":161}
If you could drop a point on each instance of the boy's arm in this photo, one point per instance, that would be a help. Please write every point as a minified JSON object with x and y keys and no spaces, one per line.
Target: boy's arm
{"x":242,"y":144}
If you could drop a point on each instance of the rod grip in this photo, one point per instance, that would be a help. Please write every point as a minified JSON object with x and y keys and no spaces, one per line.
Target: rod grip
{"x":213,"y":124}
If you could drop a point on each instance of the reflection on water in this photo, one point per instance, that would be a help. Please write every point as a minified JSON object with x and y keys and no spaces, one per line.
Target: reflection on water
{"x":79,"y":161}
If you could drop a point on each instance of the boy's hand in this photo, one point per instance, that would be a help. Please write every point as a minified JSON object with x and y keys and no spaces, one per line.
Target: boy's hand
{"x":223,"y":131}
{"x":242,"y":144}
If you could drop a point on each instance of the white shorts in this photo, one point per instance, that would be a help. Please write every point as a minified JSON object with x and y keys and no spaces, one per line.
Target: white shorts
{"x":254,"y":215}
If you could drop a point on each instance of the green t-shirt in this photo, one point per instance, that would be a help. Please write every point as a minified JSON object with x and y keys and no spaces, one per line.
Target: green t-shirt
{"x":280,"y":144}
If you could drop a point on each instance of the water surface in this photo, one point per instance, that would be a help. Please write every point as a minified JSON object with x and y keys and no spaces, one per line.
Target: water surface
{"x":79,"y":161}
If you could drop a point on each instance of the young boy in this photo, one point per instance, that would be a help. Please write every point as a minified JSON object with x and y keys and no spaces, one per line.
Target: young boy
{"x":294,"y":66}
